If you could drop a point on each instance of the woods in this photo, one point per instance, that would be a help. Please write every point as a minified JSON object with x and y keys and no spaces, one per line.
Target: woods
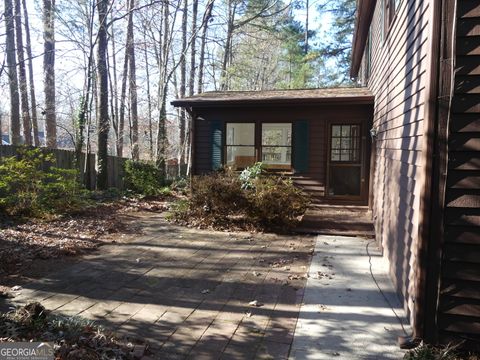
{"x":98,"y":76}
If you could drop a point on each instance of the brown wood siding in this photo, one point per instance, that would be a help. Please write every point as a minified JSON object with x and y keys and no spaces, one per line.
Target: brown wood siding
{"x":459,"y":302}
{"x":399,"y":65}
{"x":312,"y":181}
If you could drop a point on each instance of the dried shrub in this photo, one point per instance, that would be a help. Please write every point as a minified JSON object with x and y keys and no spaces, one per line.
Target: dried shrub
{"x":275,"y":201}
{"x":216,"y":197}
{"x":221,"y":199}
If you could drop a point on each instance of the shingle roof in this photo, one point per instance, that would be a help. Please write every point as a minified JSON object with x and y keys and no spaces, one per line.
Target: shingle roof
{"x":325,"y":95}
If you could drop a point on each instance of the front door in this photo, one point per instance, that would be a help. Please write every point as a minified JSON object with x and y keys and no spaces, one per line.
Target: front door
{"x":345,"y":163}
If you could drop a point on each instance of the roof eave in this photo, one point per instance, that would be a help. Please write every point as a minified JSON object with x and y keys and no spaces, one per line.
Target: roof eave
{"x":365,"y":10}
{"x":367,"y":99}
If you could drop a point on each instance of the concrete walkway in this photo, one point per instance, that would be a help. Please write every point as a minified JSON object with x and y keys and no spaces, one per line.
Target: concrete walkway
{"x":344,"y":315}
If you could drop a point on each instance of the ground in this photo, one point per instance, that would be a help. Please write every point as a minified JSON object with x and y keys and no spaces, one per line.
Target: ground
{"x":190,"y":293}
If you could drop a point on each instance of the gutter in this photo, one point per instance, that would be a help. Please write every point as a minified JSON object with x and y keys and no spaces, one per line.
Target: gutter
{"x":365,"y":10}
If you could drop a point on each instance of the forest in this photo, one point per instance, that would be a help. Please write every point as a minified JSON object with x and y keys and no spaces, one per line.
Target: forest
{"x":97,"y":76}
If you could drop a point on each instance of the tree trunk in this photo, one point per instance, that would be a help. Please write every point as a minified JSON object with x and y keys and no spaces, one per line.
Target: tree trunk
{"x":133,"y":84}
{"x":49,"y":72}
{"x":193,"y":50}
{"x":203,"y":41}
{"x":103,"y":121}
{"x":33,"y":99}
{"x":183,"y":83}
{"x":114,"y":88}
{"x":22,"y":76}
{"x":149,"y":99}
{"x":224,"y":83}
{"x":12,"y":75}
{"x":123,"y":95}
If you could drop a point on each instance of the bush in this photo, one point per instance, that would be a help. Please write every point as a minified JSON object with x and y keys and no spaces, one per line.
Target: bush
{"x":144,"y":178}
{"x":224,"y":198}
{"x":217,"y":196}
{"x":31,"y":186}
{"x":250,"y":174}
{"x":275,"y":201}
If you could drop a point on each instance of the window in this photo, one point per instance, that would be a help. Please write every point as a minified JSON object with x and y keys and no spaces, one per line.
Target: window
{"x":345,"y":143}
{"x":389,"y":8}
{"x":277,"y":145}
{"x":240,"y":145}
{"x":270,"y":143}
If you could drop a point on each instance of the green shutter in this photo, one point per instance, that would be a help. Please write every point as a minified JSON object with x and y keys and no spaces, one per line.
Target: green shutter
{"x":300,"y":146}
{"x":217,"y":144}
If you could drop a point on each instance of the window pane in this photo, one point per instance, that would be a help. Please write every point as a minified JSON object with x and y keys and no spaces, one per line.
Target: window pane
{"x":336,"y":143}
{"x":346,"y":130}
{"x":276,"y":145}
{"x":276,"y":134}
{"x":346,"y":143}
{"x":336,"y":130}
{"x":335,"y":155}
{"x":240,"y":134}
{"x":240,"y":157}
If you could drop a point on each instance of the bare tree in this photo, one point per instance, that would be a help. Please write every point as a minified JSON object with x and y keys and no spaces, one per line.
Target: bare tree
{"x":102,"y":121}
{"x":132,"y":83}
{"x":203,"y":40}
{"x":183,"y":82}
{"x":193,"y":48}
{"x":49,"y":72}
{"x":22,"y":76}
{"x":149,"y":97}
{"x":33,"y":100}
{"x":12,"y":75}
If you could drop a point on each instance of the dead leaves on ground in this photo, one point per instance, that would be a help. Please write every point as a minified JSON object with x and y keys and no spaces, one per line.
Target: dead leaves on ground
{"x":23,"y":242}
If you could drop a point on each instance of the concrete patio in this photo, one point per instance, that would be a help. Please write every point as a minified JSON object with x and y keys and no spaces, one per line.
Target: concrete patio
{"x":187,"y":291}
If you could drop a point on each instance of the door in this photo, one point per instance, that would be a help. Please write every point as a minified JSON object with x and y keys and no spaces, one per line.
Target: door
{"x":346,"y":162}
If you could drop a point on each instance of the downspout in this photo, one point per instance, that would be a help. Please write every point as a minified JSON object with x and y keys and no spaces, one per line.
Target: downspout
{"x":430,"y":153}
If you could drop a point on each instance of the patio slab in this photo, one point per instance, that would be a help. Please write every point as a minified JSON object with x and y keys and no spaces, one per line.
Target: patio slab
{"x":187,"y":291}
{"x":344,"y":314}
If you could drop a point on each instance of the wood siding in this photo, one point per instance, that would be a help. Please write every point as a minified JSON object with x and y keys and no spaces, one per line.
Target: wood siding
{"x":459,"y":303}
{"x":398,"y":73}
{"x":312,"y":181}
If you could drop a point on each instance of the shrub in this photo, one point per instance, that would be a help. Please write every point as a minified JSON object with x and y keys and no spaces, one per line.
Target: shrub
{"x":250,"y":174}
{"x":143,"y":178}
{"x":31,"y":186}
{"x":224,"y":198}
{"x":275,"y":201}
{"x":219,"y":195}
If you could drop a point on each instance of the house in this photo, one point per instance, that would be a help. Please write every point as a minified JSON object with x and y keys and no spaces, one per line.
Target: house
{"x":407,"y":144}
{"x":421,"y":60}
{"x":320,"y":137}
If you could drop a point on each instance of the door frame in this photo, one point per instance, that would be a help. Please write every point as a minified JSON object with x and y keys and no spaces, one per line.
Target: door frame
{"x":361,"y":199}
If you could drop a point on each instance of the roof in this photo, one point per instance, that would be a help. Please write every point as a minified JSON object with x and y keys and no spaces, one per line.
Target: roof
{"x":313,"y":96}
{"x":365,"y":10}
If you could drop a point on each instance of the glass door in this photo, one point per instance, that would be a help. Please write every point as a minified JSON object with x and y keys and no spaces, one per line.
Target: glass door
{"x":345,"y":164}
